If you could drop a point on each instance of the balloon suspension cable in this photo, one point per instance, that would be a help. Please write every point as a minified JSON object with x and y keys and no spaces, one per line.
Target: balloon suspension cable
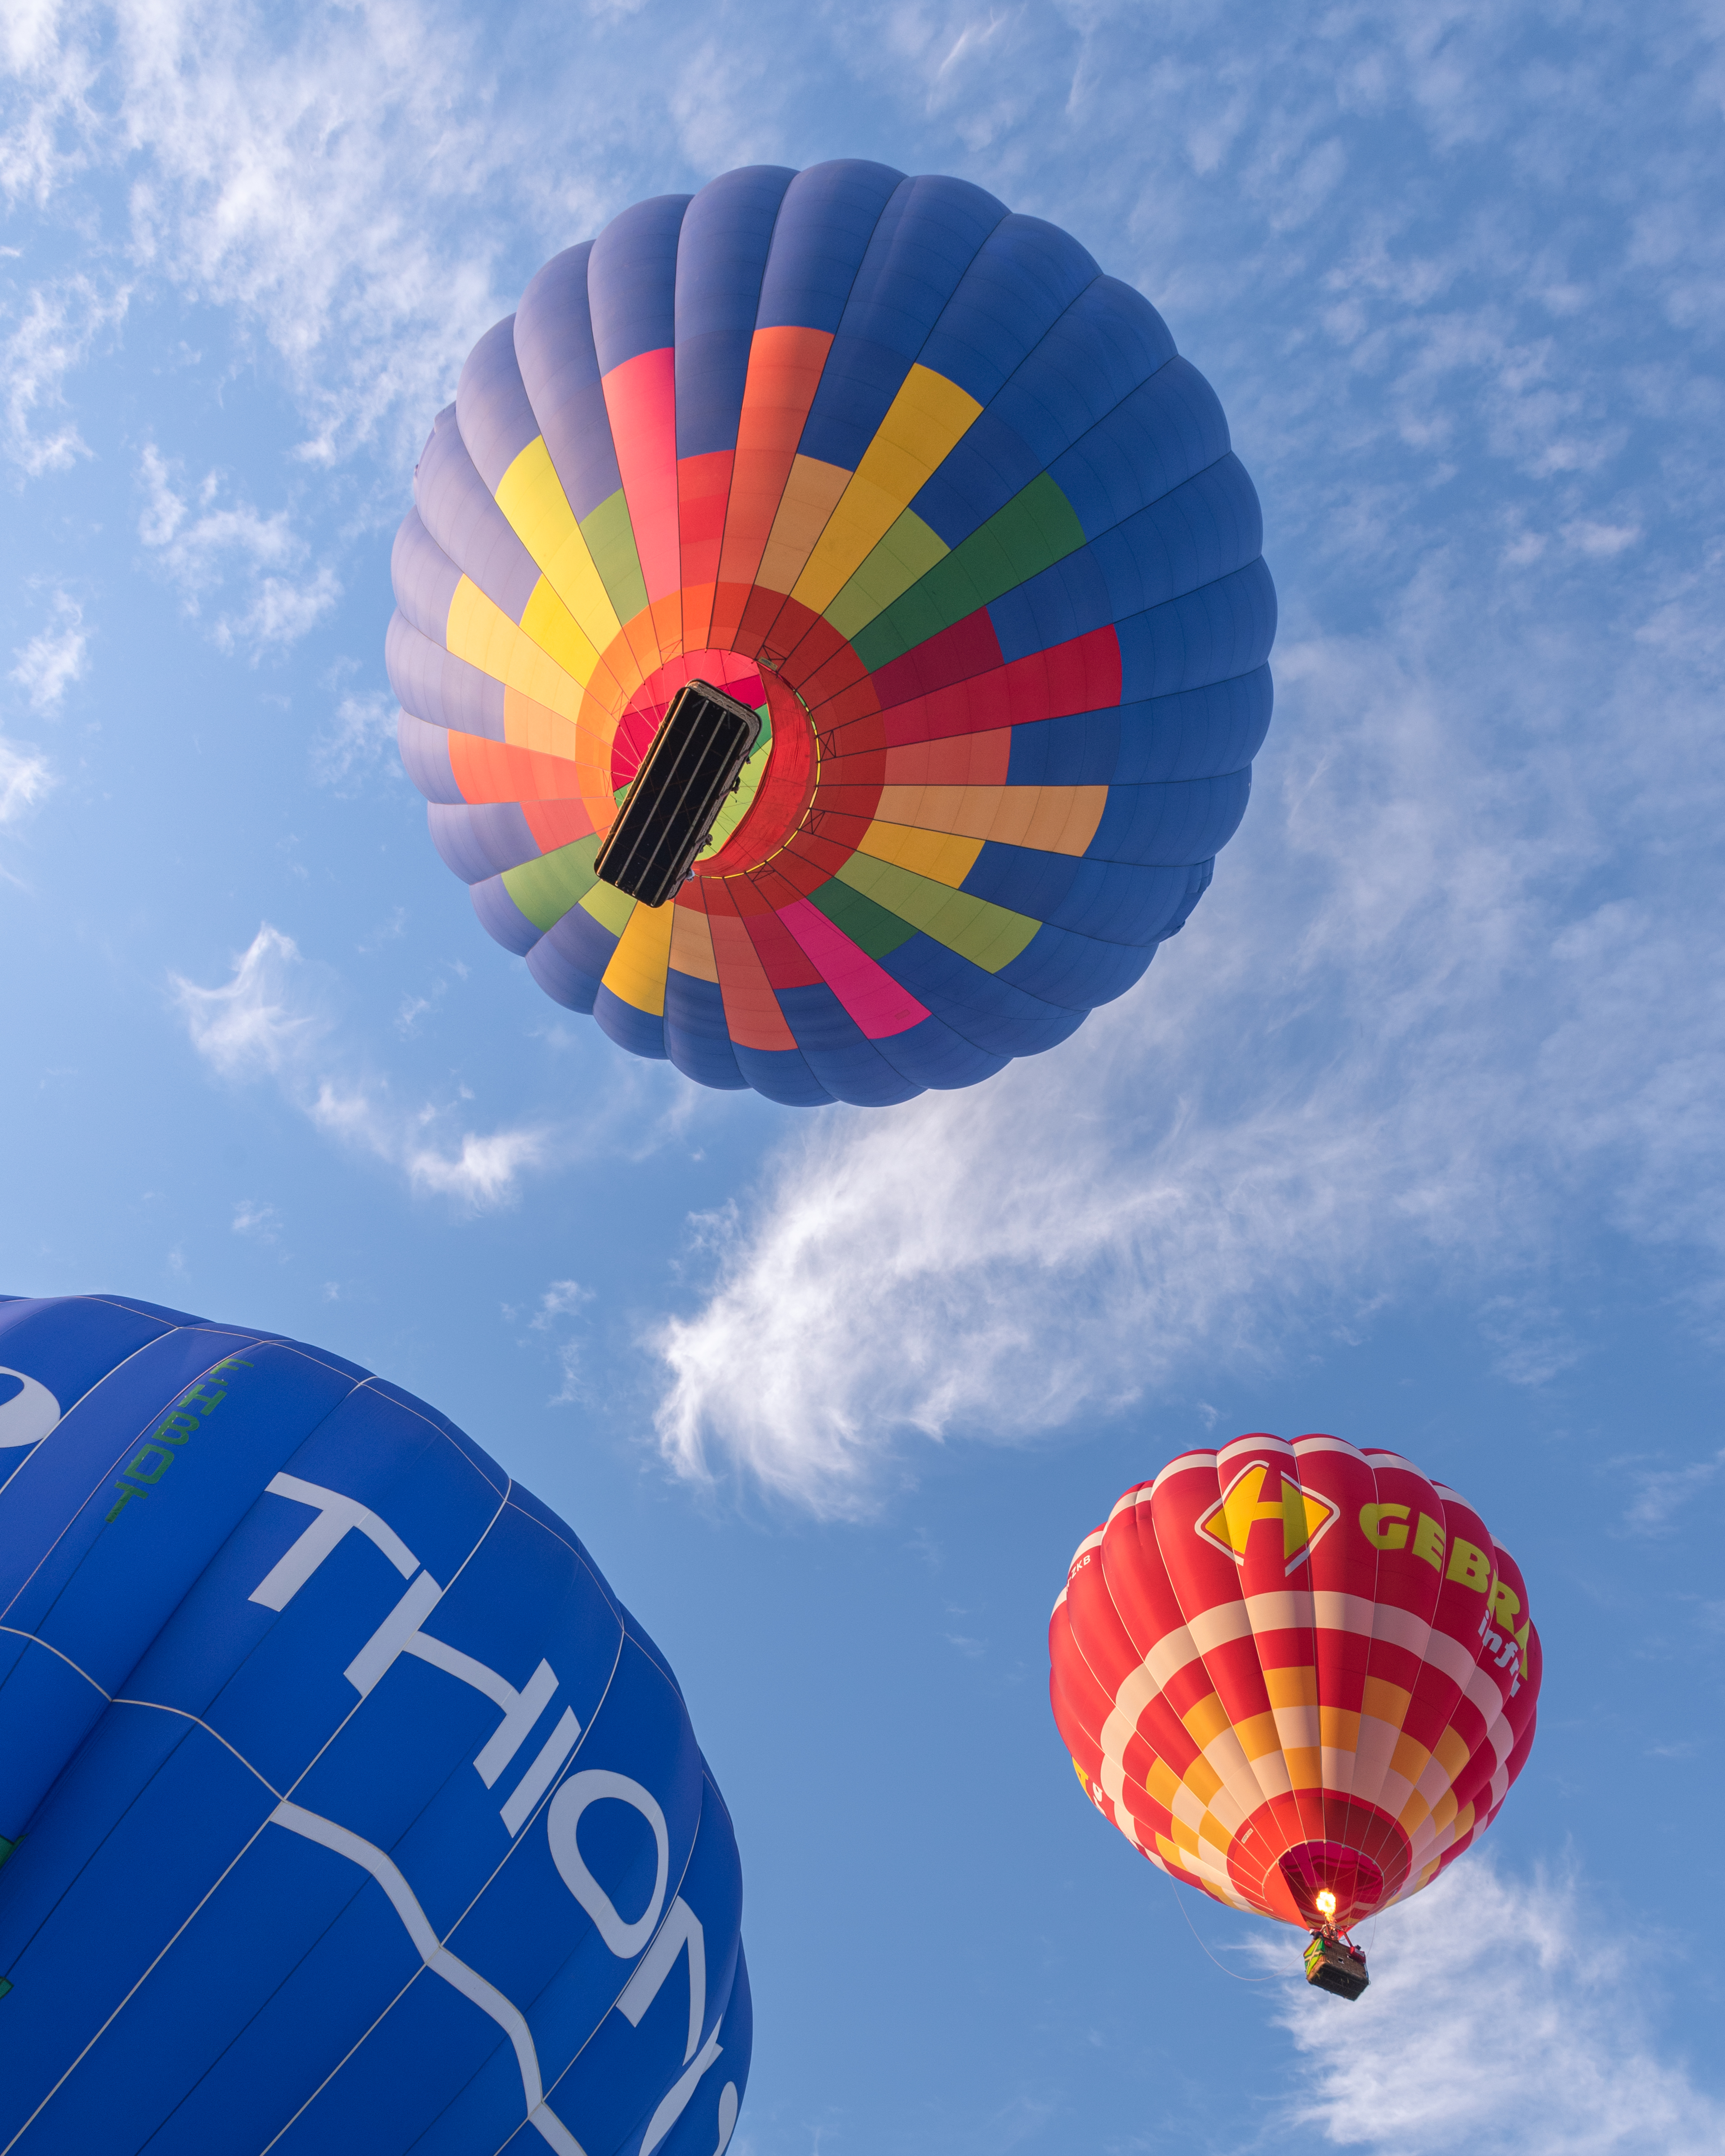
{"x":1221,"y":1965}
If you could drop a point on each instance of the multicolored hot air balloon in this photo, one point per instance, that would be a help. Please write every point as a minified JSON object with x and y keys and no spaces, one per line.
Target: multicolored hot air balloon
{"x":1299,"y":1677}
{"x":343,"y":1807}
{"x":907,"y":474}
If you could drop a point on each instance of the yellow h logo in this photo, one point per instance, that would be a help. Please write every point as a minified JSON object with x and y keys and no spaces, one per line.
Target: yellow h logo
{"x":1302,"y":1515}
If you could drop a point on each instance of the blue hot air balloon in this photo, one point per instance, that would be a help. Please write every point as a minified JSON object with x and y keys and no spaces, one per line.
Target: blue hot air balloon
{"x":908,"y":477}
{"x":344,"y":1807}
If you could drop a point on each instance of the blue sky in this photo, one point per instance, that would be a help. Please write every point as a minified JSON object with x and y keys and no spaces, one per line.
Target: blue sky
{"x":1414,"y":1134}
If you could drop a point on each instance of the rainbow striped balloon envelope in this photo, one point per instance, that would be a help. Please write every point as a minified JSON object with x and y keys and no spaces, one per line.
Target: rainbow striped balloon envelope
{"x":908,"y":475}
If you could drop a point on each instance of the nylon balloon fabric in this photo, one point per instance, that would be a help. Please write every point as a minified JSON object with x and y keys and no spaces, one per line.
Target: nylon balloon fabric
{"x":1283,"y":1670}
{"x":907,"y":474}
{"x":342,"y":1805}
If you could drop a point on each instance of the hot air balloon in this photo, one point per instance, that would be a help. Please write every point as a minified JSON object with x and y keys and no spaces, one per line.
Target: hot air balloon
{"x":1298,"y":1678}
{"x":905,"y":474}
{"x":344,"y":1807}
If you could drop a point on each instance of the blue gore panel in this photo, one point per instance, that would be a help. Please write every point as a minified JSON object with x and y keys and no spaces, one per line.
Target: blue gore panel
{"x":456,"y":508}
{"x":1024,"y":277}
{"x":696,"y":1038}
{"x":782,"y":1076}
{"x":631,"y":280}
{"x":1170,"y":428}
{"x":1124,"y":901}
{"x":1210,"y":635}
{"x":491,"y":405}
{"x":1107,"y":342}
{"x":438,"y":688}
{"x":501,"y":918}
{"x":984,"y":1009}
{"x":424,"y":578}
{"x":569,"y":960}
{"x":1068,"y":598}
{"x":641,"y":1032}
{"x":836,"y":1049}
{"x":1096,"y":355}
{"x":496,"y":1803}
{"x":1024,"y":879}
{"x":560,"y":371}
{"x":480,"y":838}
{"x":425,"y":758}
{"x":1200,"y":531}
{"x":1199,"y":734}
{"x":930,"y":1054}
{"x":40,"y":1693}
{"x":184,"y":1823}
{"x":985,"y":467}
{"x":927,"y":237}
{"x":1056,"y":963}
{"x":721,"y":257}
{"x":825,"y":223}
{"x":1184,"y":820}
{"x":594,"y":2088}
{"x":1198,"y":883}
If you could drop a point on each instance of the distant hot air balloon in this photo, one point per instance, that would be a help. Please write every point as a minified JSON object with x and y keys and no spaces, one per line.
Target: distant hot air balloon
{"x":907,"y":474}
{"x":1299,"y":1677}
{"x":343,"y":1808}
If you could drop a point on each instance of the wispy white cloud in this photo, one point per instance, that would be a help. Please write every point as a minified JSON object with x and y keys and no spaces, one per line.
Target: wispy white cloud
{"x":55,"y":333}
{"x":27,"y":777}
{"x":1400,"y":1046}
{"x":558,"y":1315}
{"x":265,"y":157}
{"x":1493,"y":2021}
{"x":357,"y":740}
{"x":212,"y":547}
{"x":262,"y":1223}
{"x":275,"y":1017}
{"x":562,"y":1299}
{"x":259,"y":1020}
{"x":55,"y":657}
{"x":1663,"y":1493}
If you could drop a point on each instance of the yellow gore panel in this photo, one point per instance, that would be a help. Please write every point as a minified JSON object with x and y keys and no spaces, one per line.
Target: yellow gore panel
{"x":636,"y":973}
{"x":555,"y":629}
{"x":478,"y":631}
{"x":938,"y":856}
{"x":923,"y":422}
{"x":532,"y":496}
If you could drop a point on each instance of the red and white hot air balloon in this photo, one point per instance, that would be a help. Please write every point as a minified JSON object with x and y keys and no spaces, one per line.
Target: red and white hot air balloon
{"x":1298,"y":1676}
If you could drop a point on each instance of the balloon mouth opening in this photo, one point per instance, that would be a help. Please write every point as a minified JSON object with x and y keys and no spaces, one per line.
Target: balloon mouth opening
{"x":772,"y":794}
{"x":1331,"y":1872}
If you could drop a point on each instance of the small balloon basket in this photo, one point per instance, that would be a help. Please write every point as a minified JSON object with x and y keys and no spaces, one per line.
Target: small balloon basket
{"x":1332,"y":1964}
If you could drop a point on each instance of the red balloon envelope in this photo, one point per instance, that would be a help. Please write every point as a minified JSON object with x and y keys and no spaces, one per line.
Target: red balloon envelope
{"x":1301,"y":1677}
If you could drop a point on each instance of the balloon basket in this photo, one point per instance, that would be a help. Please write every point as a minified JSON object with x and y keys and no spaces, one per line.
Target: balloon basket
{"x":667,"y":817}
{"x":1332,"y":1965}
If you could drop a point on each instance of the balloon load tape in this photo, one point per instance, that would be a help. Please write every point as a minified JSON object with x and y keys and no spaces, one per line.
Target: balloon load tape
{"x":1333,"y":1965}
{"x":697,"y":759}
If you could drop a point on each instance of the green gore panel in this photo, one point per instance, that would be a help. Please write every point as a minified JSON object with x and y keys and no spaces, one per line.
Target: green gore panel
{"x":610,"y":541}
{"x":1037,"y":527}
{"x":910,"y":549}
{"x":608,"y":905}
{"x":870,"y":927}
{"x":5,"y":1848}
{"x":990,"y":935}
{"x":546,"y":889}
